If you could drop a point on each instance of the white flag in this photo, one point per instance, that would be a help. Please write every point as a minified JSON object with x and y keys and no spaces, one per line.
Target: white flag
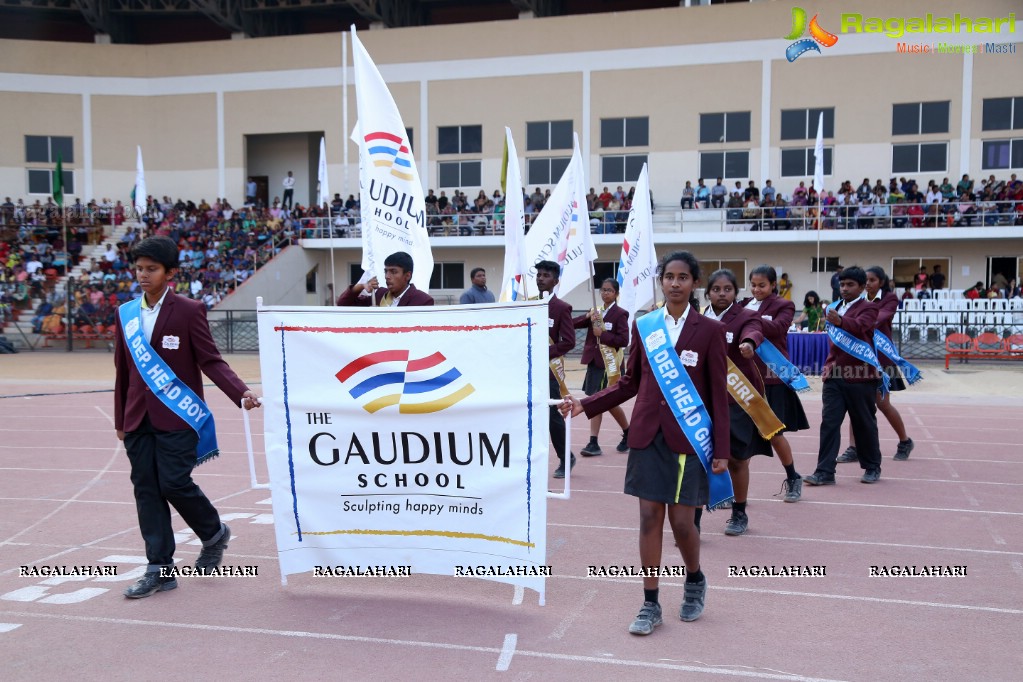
{"x":637,"y":267}
{"x":514,"y":224}
{"x":138,"y":195}
{"x":561,"y":232}
{"x":393,"y":207}
{"x":323,"y":193}
{"x":818,"y":157}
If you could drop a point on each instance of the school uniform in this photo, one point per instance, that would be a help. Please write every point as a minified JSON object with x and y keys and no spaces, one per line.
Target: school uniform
{"x":888,"y":305}
{"x":160,"y":446}
{"x":776,"y":316}
{"x":662,"y":466}
{"x":562,"y":334}
{"x":615,"y":336}
{"x":411,"y":296}
{"x":849,"y":387}
{"x":743,"y":325}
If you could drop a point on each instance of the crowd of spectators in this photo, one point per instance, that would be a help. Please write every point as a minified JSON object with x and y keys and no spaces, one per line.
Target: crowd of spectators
{"x":899,"y":203}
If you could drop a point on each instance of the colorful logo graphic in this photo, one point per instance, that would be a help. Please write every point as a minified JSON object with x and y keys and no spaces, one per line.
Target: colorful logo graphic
{"x":817,"y":35}
{"x":415,"y":385}
{"x":388,"y":151}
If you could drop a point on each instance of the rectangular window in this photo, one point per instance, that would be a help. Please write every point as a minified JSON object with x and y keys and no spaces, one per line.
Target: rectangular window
{"x":920,"y":158}
{"x":460,"y":139}
{"x":800,"y":163}
{"x":920,"y":118}
{"x":724,"y":164}
{"x":904,"y":270}
{"x":409,"y":132}
{"x":40,"y":181}
{"x":602,"y":269}
{"x":621,"y":168}
{"x":998,"y":154}
{"x":738,"y":268}
{"x":824,"y":264}
{"x":448,"y":276}
{"x":460,"y":173}
{"x":546,"y":171}
{"x":732,"y":126}
{"x":801,"y":124}
{"x":547,"y":135}
{"x":1002,"y":113}
{"x":45,"y":149}
{"x":310,"y":281}
{"x":625,"y":132}
{"x":354,"y":274}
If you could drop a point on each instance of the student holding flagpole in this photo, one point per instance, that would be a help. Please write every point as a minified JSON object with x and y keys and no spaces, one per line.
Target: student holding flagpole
{"x":679,"y":436}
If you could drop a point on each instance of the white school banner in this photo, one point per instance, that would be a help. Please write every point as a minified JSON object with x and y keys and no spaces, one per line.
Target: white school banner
{"x":637,"y":266}
{"x":410,"y":439}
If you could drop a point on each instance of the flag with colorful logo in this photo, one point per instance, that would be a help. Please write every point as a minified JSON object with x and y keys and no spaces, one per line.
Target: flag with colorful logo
{"x":323,"y":186}
{"x":138,"y":192}
{"x":637,"y":267}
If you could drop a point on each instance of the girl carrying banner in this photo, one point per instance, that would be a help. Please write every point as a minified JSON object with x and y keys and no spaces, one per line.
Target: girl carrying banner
{"x":678,"y":440}
{"x":782,"y":380}
{"x":879,"y":292}
{"x":753,"y":424}
{"x":607,"y":334}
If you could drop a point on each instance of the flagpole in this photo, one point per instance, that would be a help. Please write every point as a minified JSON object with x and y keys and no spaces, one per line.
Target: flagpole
{"x":67,"y":283}
{"x":820,"y":225}
{"x":344,"y":108}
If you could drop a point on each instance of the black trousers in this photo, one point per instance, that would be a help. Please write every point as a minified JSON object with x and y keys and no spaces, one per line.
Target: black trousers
{"x":557,"y":422}
{"x":841,"y":397}
{"x":161,"y":472}
{"x":289,"y":195}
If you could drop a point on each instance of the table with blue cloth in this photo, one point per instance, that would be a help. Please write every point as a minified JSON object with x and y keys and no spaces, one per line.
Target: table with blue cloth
{"x":808,"y":351}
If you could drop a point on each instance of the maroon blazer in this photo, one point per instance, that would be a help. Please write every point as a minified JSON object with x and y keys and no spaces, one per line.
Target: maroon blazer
{"x":743,"y":325}
{"x":615,"y":337}
{"x":651,"y":412}
{"x":775,"y":330}
{"x":559,"y":327}
{"x":858,"y":321}
{"x":887,"y":307}
{"x":411,"y":297}
{"x":186,"y":319}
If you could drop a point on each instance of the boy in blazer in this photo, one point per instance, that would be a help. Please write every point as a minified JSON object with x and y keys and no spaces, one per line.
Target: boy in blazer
{"x":399,"y":290}
{"x":849,"y":386}
{"x":562,"y":337}
{"x":161,"y":447}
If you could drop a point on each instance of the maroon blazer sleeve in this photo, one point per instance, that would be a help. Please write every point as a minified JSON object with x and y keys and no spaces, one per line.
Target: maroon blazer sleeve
{"x":561,"y":313}
{"x":627,"y":387}
{"x":208,"y":357}
{"x":752,"y":330}
{"x":122,"y":365}
{"x":862,"y":323}
{"x":715,"y":368}
{"x":581,"y":322}
{"x":618,"y":335}
{"x":781,"y":312}
{"x":349,"y":298}
{"x":886,"y":309}
{"x":413,"y":297}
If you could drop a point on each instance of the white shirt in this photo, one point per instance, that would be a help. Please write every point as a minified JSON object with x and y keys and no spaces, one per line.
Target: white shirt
{"x":712,"y":315}
{"x":289,"y":182}
{"x":753,"y":305}
{"x":394,"y":300}
{"x":675,"y":328}
{"x":149,"y":315}
{"x":844,"y":306}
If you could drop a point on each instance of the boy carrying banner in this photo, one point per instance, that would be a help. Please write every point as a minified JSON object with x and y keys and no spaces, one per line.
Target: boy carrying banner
{"x":162,"y":347}
{"x":561,"y":340}
{"x":398,"y":291}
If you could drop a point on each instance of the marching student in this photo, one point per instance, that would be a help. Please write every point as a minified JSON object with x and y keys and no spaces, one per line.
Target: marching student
{"x":753,"y":423}
{"x":162,"y":344}
{"x":879,"y":292}
{"x":678,"y":439}
{"x":782,"y":380}
{"x":606,"y":328}
{"x":561,"y":340}
{"x":851,"y":377}
{"x":398,"y":292}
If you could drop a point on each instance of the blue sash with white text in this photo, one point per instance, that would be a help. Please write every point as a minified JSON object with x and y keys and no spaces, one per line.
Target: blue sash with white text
{"x":782,"y":367}
{"x":165,"y":385}
{"x":686,"y":404}
{"x":885,"y":345}
{"x":858,"y":348}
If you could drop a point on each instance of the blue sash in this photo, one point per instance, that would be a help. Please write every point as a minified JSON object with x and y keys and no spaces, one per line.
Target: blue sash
{"x":165,"y":385}
{"x":884,"y":345}
{"x":686,"y":404}
{"x":781,"y":366}
{"x":858,"y":348}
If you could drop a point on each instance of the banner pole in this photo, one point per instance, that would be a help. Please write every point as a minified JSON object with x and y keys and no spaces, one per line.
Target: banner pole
{"x":68,"y":281}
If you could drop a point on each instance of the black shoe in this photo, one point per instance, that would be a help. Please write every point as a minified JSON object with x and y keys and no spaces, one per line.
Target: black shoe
{"x":817,"y":478}
{"x":623,"y":445}
{"x":210,"y":557}
{"x":649,"y":617}
{"x":792,"y":488}
{"x":592,"y":449}
{"x":738,"y":524}
{"x":902,"y":452}
{"x":150,"y":584}
{"x":559,"y":472}
{"x":848,"y":456}
{"x":871,"y":476}
{"x":692,"y":605}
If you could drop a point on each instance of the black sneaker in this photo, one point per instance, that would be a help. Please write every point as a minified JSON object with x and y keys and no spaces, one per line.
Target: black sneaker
{"x":649,"y":617}
{"x":692,"y":605}
{"x":560,"y":471}
{"x":211,"y":556}
{"x":150,"y":584}
{"x":848,"y":456}
{"x":623,"y":445}
{"x":817,"y":478}
{"x":592,"y":449}
{"x":902,"y":452}
{"x":792,"y":488}
{"x":871,"y":476}
{"x":738,"y":524}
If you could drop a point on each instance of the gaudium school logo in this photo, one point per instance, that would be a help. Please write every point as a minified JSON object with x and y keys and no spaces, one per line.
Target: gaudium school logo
{"x":817,"y":36}
{"x":388,"y":151}
{"x":416,"y":385}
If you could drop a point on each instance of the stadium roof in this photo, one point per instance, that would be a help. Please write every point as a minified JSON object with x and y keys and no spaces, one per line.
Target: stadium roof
{"x":150,"y":22}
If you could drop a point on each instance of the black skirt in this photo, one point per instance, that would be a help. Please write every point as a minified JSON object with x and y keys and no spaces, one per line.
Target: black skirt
{"x":595,"y":379}
{"x":786,"y":406}
{"x":657,"y":474}
{"x":897,"y":383}
{"x":745,"y":440}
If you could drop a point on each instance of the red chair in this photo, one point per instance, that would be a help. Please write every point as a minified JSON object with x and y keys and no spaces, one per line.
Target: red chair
{"x":1014,"y":344}
{"x":957,"y":345}
{"x":989,"y":343}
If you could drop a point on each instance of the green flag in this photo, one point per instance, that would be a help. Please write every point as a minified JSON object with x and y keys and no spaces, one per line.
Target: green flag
{"x":58,"y":183}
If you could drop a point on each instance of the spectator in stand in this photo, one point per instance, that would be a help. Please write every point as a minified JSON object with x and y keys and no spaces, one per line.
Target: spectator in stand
{"x":718,"y":195}
{"x":934,"y":195}
{"x":975,"y":291}
{"x":916,"y":213}
{"x":768,"y":193}
{"x":921,"y":278}
{"x":478,"y":292}
{"x":800,"y":194}
{"x":785,"y":287}
{"x":863,"y":192}
{"x":250,"y":191}
{"x":965,"y":186}
{"x":605,"y":198}
{"x":1013,"y":290}
{"x":619,"y":194}
{"x":880,"y":189}
{"x":289,"y":191}
{"x":924,"y":293}
{"x":780,"y":214}
{"x":999,"y":282}
{"x":937,"y":278}
{"x":948,"y":192}
{"x":752,"y":191}
{"x":702,"y":194}
{"x":865,"y":215}
{"x":688,"y":195}
{"x":907,"y":294}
